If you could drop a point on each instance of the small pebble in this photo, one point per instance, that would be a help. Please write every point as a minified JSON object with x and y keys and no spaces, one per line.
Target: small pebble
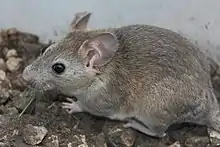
{"x":5,"y":51}
{"x":100,"y":140}
{"x":4,"y":120}
{"x":176,"y":144}
{"x":4,"y":95}
{"x":12,"y":31}
{"x":13,"y":63}
{"x":54,"y":142}
{"x":197,"y":141}
{"x":214,"y":137}
{"x":4,"y":81}
{"x":11,"y":53}
{"x":2,"y":75}
{"x":2,"y":144}
{"x":118,"y":135}
{"x":79,"y":141}
{"x":3,"y":32}
{"x":34,"y":135}
{"x":11,"y":111}
{"x":2,"y":64}
{"x":1,"y":40}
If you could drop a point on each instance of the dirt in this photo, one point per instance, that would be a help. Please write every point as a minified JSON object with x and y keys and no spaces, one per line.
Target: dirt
{"x":45,"y":124}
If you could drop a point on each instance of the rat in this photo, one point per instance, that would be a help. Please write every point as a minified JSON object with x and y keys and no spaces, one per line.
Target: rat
{"x":146,"y":76}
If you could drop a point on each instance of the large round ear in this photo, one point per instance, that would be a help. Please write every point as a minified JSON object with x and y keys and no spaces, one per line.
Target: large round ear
{"x":80,"y":21}
{"x":99,"y":49}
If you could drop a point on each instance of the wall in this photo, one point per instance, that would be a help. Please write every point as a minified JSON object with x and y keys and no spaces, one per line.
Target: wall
{"x":197,"y":19}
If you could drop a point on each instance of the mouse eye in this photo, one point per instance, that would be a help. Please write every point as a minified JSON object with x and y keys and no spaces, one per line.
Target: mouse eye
{"x":58,"y":68}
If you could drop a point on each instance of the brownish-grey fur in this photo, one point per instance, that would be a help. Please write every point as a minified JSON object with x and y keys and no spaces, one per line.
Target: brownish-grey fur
{"x":156,"y":78}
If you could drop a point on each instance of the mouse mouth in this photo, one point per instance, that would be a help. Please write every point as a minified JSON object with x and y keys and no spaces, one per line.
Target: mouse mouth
{"x":22,"y":81}
{"x":33,"y":84}
{"x":29,"y":84}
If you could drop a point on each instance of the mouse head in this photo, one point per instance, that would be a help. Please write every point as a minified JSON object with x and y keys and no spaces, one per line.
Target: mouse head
{"x":72,"y":64}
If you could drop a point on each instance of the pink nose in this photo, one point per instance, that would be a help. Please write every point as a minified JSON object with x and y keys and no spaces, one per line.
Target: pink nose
{"x":29,"y":74}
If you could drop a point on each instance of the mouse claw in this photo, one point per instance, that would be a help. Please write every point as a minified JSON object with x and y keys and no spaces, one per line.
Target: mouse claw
{"x":70,"y":100}
{"x":71,"y":107}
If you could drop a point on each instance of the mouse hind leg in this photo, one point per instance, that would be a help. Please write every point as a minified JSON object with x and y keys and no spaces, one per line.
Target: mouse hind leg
{"x":145,"y":129}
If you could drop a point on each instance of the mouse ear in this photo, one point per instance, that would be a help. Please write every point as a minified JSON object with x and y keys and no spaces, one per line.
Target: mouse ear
{"x":100,"y":49}
{"x":80,"y":21}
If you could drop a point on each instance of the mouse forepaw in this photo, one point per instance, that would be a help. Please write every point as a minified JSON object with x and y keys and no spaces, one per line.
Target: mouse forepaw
{"x":71,"y":106}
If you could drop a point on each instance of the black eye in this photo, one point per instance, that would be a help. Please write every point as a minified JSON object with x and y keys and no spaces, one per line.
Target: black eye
{"x":58,"y":68}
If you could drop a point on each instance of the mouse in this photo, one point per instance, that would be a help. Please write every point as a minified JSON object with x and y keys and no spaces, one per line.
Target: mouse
{"x":146,"y":76}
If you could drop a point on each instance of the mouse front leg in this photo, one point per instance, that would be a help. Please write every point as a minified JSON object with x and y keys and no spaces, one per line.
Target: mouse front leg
{"x":71,"y":106}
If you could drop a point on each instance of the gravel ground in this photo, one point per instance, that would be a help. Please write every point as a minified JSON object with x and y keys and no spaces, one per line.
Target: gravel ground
{"x":45,"y":124}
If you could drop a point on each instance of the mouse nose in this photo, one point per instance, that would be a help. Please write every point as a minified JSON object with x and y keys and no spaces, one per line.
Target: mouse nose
{"x":28,"y":74}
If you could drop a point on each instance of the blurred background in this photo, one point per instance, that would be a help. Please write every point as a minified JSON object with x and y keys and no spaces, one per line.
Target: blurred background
{"x":197,"y":19}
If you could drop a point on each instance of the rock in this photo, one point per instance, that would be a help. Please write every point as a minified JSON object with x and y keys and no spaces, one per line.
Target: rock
{"x":34,"y":135}
{"x":176,"y":144}
{"x":11,"y":111}
{"x":197,"y":141}
{"x":2,"y":144}
{"x":12,"y":31}
{"x":31,"y":51}
{"x":13,"y":63}
{"x":11,"y":53}
{"x":100,"y":140}
{"x":5,"y":51}
{"x":53,"y":141}
{"x":2,"y":64}
{"x":15,"y":132}
{"x":3,"y":32}
{"x":14,"y":94}
{"x":1,"y":40}
{"x":128,"y":137}
{"x":119,"y":136}
{"x":214,"y":137}
{"x":4,"y":95}
{"x":4,"y":81}
{"x":18,"y":141}
{"x":2,"y":75}
{"x":79,"y":141}
{"x":28,"y":37}
{"x":4,"y":120}
{"x":2,"y":109}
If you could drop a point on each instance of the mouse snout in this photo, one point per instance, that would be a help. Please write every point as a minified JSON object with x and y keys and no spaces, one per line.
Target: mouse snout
{"x":28,"y":74}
